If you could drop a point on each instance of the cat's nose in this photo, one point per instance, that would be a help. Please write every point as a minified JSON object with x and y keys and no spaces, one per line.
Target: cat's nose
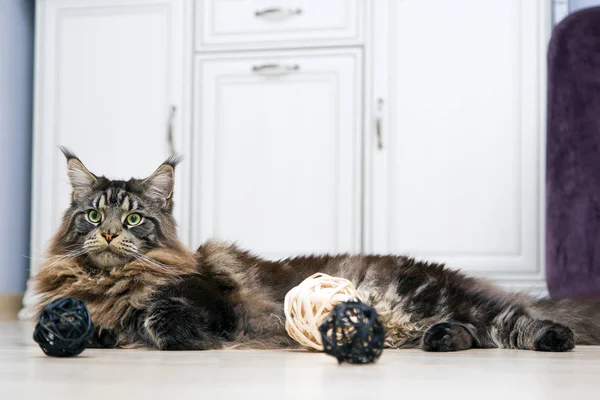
{"x":109,"y":236}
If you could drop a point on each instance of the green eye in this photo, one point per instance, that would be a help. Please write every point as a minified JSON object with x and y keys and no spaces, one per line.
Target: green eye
{"x":94,"y":216}
{"x":134,"y":219}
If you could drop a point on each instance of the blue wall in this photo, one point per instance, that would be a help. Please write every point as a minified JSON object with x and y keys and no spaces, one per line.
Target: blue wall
{"x":16,"y":93}
{"x":575,"y":5}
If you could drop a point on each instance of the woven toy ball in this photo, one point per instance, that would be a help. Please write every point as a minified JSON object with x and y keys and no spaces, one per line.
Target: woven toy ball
{"x":64,"y":328}
{"x":309,"y":303}
{"x":353,"y":333}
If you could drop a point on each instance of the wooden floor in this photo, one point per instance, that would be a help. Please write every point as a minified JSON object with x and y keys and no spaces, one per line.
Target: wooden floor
{"x":26,"y":373}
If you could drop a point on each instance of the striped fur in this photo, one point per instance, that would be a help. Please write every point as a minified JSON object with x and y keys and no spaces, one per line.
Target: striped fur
{"x":144,"y":288}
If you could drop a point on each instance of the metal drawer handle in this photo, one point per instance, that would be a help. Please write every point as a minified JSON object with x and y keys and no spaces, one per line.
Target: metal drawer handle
{"x":278,"y":10}
{"x":275,"y":68}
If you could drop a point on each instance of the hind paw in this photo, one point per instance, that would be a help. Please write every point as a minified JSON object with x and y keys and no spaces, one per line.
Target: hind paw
{"x":556,"y":337}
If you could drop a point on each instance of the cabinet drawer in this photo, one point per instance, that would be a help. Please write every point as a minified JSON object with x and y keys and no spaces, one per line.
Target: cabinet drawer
{"x":246,"y":24}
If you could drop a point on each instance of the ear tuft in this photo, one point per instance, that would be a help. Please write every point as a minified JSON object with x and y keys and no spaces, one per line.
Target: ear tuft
{"x":67,"y":153}
{"x":159,"y":185}
{"x":173,"y":160}
{"x":82,"y":180}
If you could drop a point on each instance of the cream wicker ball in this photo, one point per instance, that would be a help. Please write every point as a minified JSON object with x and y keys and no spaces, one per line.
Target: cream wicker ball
{"x":307,"y":305}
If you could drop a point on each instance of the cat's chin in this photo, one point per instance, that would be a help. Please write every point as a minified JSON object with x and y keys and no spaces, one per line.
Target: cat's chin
{"x":108,"y":259}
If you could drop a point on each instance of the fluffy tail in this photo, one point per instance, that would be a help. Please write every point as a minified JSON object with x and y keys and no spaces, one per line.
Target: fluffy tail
{"x":583,"y":317}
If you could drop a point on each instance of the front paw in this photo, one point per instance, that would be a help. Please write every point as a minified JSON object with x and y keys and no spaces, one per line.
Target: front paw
{"x":103,"y":339}
{"x":556,"y":337}
{"x":173,"y":325}
{"x":438,"y":338}
{"x":447,"y":337}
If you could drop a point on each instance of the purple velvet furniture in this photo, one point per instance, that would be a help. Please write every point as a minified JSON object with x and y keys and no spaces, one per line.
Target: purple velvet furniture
{"x":573,"y":158}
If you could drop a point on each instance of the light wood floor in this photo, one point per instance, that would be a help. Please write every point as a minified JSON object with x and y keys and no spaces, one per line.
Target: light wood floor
{"x":26,"y":373}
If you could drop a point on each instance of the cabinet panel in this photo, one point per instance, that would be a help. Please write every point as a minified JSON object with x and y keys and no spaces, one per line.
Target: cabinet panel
{"x":459,"y":177}
{"x":107,"y":75}
{"x":224,"y":24}
{"x":278,"y":156}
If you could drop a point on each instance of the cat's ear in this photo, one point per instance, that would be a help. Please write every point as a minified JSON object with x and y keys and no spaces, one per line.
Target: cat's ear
{"x":82,"y":180}
{"x":159,"y":185}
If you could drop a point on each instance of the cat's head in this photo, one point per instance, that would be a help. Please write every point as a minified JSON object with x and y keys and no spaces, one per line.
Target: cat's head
{"x":112,"y":222}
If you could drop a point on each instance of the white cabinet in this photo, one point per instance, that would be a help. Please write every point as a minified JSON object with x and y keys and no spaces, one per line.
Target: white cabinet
{"x":280,"y":117}
{"x":108,"y":74}
{"x":460,"y":176}
{"x":278,"y":151}
{"x":227,"y":24}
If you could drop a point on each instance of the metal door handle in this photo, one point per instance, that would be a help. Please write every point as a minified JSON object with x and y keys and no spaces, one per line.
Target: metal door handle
{"x":378,"y":123}
{"x":277,"y":10}
{"x":170,"y":138}
{"x":379,"y":140}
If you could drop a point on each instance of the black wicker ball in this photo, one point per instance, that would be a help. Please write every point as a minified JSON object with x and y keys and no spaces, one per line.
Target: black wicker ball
{"x":64,"y":328}
{"x":353,"y":333}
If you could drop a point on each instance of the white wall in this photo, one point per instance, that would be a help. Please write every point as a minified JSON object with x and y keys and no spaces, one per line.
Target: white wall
{"x":16,"y":83}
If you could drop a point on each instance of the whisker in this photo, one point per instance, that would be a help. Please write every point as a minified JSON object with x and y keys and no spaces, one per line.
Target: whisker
{"x":58,"y":259}
{"x":142,"y":262}
{"x":144,"y":259}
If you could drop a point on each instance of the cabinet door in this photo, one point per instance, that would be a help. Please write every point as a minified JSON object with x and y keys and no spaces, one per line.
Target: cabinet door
{"x":460,"y":94}
{"x":277,"y":155}
{"x":108,"y":73}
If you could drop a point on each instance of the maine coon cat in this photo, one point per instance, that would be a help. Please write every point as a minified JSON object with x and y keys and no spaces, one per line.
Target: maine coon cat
{"x":117,"y":249}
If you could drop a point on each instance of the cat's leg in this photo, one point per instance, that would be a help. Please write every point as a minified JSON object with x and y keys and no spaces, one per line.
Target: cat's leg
{"x":447,"y":336}
{"x":513,"y":328}
{"x":191,"y":314}
{"x":103,"y":339}
{"x":177,"y":324}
